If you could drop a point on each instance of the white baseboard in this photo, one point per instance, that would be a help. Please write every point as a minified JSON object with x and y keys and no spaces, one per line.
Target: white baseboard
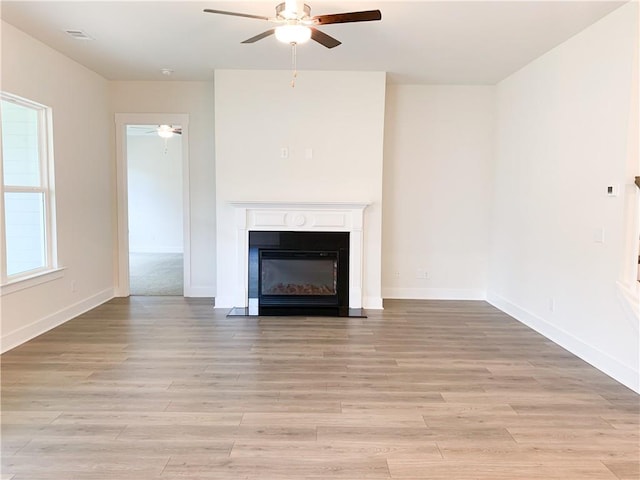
{"x":26,"y":333}
{"x":434,"y":293}
{"x":199,"y":291}
{"x":590,"y":354}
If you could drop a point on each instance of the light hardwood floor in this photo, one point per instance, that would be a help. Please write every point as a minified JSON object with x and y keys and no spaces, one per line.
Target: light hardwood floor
{"x":168,"y":388}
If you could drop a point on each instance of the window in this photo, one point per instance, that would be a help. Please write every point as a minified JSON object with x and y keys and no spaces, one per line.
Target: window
{"x":27,"y":181}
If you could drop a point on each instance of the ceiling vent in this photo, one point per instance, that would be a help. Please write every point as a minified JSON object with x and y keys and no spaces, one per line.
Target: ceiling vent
{"x":78,"y":35}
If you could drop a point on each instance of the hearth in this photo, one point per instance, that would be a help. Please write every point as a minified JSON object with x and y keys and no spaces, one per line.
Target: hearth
{"x":299,"y":273}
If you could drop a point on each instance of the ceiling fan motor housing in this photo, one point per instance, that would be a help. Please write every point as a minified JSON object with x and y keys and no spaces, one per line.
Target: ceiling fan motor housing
{"x":281,"y":12}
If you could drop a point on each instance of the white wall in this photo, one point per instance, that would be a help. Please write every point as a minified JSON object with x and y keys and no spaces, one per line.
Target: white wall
{"x":196,"y":100}
{"x":562,"y":138}
{"x":437,"y":191}
{"x":339,"y":115}
{"x":84,"y":184}
{"x":155,"y":193}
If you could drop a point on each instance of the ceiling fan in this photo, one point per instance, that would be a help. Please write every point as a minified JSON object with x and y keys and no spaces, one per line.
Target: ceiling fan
{"x":296,"y":25}
{"x":167,"y":131}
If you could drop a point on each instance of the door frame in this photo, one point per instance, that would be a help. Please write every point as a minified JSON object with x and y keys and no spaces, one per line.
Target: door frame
{"x":122,"y":120}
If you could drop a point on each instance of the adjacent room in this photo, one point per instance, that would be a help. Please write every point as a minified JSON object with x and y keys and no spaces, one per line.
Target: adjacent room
{"x":334,"y":240}
{"x":155,"y":208}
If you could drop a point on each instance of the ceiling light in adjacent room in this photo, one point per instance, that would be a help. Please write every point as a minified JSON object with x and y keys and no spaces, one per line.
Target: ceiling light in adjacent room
{"x":165,"y":131}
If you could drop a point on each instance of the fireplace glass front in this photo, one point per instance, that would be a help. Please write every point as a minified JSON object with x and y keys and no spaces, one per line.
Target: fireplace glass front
{"x":298,"y":273}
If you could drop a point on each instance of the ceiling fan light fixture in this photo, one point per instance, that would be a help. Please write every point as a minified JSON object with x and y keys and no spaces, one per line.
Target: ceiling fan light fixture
{"x":295,"y":34}
{"x":165,"y":131}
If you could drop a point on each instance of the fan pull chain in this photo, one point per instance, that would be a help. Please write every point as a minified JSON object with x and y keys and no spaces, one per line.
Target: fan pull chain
{"x":294,"y":64}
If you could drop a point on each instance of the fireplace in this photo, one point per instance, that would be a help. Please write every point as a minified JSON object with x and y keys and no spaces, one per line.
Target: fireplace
{"x":238,"y":274}
{"x":299,"y":273}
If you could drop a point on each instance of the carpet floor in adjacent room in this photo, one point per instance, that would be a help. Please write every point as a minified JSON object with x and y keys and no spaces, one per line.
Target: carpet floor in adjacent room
{"x":155,"y":273}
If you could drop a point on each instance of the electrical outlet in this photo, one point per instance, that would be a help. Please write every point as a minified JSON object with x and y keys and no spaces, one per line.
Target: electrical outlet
{"x":552,"y":304}
{"x":73,"y":285}
{"x":421,"y":273}
{"x":613,"y":190}
{"x":396,"y":274}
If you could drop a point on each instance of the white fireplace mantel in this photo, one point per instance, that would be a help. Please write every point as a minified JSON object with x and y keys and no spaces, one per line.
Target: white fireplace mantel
{"x":300,"y":216}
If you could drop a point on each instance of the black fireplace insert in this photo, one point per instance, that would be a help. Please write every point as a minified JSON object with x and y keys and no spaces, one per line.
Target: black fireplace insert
{"x":299,"y":273}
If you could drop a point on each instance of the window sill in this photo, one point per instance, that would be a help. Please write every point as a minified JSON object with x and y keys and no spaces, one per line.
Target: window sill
{"x":31,"y":281}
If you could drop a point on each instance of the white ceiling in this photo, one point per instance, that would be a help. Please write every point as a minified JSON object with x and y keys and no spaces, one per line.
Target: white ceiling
{"x":444,"y":42}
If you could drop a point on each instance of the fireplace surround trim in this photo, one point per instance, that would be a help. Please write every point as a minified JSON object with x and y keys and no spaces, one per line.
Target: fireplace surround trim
{"x":300,"y":216}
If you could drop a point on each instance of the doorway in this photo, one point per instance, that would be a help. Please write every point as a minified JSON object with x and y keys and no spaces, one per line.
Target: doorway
{"x":154,"y":191}
{"x":153,"y":205}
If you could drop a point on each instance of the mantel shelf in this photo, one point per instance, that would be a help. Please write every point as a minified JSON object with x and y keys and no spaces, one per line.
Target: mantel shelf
{"x":300,"y":205}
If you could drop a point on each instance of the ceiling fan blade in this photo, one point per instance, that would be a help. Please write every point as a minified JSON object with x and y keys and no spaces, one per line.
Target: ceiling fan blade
{"x":324,"y":39}
{"x":366,"y":16}
{"x":235,"y":14}
{"x":260,"y":36}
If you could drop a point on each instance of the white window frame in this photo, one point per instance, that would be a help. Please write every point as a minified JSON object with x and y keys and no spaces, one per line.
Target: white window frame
{"x":50,"y":270}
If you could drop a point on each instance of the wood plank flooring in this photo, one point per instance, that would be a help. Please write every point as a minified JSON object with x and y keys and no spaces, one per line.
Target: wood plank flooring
{"x":152,"y":388}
